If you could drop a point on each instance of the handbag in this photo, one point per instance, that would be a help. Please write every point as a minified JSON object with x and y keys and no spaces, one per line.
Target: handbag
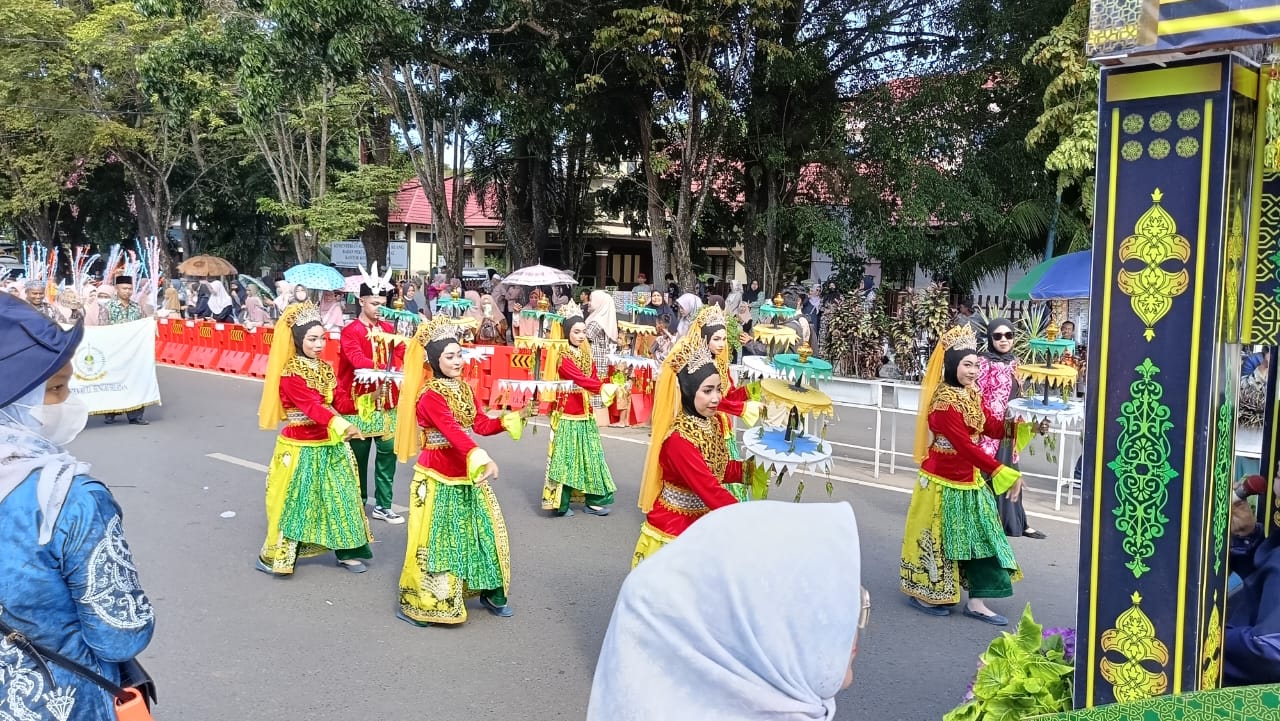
{"x":133,"y":695}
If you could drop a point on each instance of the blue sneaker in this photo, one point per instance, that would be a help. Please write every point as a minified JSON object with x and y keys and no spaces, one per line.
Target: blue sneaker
{"x":596,"y":510}
{"x":503,"y":611}
{"x":420,"y":624}
{"x":994,"y":619}
{"x":353,"y":566}
{"x":930,"y":609}
{"x":261,"y":566}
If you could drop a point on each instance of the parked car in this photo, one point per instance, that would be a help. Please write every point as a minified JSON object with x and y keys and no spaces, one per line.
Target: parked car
{"x":473,"y":278}
{"x":10,"y":267}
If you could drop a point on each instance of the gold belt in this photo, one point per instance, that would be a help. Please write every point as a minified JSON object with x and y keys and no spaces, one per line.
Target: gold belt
{"x":434,"y":440}
{"x":681,"y":500}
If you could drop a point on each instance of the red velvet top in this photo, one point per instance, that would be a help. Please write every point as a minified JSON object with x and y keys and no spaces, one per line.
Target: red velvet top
{"x":356,"y":353}
{"x":733,"y":402}
{"x":574,"y":403}
{"x":959,"y":419}
{"x":694,"y":460}
{"x":447,"y":409}
{"x":307,"y":410}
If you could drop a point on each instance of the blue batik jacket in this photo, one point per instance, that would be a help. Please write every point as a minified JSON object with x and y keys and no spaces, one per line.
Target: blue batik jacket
{"x":1251,"y":648}
{"x":77,"y":595}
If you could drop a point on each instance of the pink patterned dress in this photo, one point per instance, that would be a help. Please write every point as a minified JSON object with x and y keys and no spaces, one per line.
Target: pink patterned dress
{"x":998,"y":385}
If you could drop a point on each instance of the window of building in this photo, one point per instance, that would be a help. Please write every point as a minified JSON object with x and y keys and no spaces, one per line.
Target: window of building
{"x":467,"y":241}
{"x":424,"y":236}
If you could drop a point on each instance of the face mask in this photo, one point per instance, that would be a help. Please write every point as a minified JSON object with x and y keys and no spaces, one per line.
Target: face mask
{"x":61,"y":423}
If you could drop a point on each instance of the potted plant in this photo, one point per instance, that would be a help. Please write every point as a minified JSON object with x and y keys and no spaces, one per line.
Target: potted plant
{"x":1022,"y":674}
{"x":914,"y":330}
{"x":855,"y":333}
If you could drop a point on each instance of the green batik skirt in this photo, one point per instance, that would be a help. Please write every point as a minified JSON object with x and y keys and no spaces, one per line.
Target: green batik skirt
{"x":577,"y":458}
{"x":322,"y":505}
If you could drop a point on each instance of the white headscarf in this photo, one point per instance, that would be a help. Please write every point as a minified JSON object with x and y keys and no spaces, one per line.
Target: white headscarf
{"x":24,"y":451}
{"x":284,"y":294}
{"x":603,"y":314}
{"x":732,"y":304}
{"x":699,"y":633}
{"x":219,"y":299}
{"x":689,"y":305}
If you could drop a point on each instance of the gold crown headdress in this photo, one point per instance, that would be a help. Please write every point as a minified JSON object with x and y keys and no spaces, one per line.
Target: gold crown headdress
{"x":570,"y":310}
{"x":689,"y":356}
{"x":699,"y":357}
{"x":959,"y":337}
{"x":711,"y":315}
{"x":301,"y":314}
{"x":438,"y":328}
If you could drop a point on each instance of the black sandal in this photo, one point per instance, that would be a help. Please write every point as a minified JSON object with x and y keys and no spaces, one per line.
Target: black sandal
{"x":1038,"y":535}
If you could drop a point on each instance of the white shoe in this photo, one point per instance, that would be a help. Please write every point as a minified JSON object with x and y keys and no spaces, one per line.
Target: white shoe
{"x":386,"y":514}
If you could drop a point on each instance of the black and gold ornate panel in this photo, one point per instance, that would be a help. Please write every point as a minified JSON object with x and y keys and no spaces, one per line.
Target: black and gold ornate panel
{"x":1120,"y":28}
{"x":1171,"y":219}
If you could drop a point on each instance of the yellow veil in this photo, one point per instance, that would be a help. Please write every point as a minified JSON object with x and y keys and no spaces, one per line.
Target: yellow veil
{"x":416,"y":373}
{"x":961,"y":336}
{"x":666,"y":406}
{"x":271,"y":408}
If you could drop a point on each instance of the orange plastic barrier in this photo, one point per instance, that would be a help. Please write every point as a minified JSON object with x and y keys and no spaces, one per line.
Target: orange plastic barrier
{"x":237,"y":350}
{"x":261,"y":351}
{"x":236,"y":356}
{"x":204,"y":355}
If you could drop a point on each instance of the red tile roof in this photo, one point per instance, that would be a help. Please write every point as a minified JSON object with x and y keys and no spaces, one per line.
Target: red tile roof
{"x":412,"y":208}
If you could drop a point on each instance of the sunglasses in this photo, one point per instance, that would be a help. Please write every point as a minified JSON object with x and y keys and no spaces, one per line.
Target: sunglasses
{"x":864,"y":616}
{"x":1002,"y":336}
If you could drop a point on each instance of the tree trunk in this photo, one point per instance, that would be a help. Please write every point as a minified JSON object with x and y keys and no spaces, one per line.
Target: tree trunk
{"x":518,"y":213}
{"x":151,"y":208}
{"x":375,"y":237}
{"x":655,"y":209}
{"x":539,"y":212}
{"x":39,"y":226}
{"x":574,"y":186}
{"x":411,"y":112}
{"x":302,"y":246}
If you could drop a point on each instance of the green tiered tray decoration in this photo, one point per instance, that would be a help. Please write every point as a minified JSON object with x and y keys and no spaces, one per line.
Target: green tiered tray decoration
{"x":777,"y":310}
{"x":801,"y":366}
{"x":454,"y":304}
{"x":542,"y":311}
{"x":406,"y":322}
{"x":1047,"y":372}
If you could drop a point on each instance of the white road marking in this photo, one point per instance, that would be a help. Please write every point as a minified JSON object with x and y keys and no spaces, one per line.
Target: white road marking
{"x":237,"y":462}
{"x":219,"y":374}
{"x":638,"y":441}
{"x":253,"y":466}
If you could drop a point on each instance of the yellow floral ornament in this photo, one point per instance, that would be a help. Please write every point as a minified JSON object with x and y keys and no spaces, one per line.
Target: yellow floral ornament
{"x":1134,"y":640}
{"x":1154,"y":244}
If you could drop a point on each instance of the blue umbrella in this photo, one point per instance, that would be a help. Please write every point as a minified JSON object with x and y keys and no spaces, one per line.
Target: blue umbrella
{"x":1062,"y":278}
{"x":315,"y":276}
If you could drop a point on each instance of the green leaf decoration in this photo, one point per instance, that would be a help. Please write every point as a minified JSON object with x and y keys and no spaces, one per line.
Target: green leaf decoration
{"x":1142,"y":468}
{"x":1022,"y":674}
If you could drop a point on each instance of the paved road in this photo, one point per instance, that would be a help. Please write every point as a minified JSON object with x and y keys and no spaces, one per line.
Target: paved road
{"x":325,"y":644}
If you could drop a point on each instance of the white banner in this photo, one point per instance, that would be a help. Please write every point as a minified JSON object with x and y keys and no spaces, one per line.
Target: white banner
{"x":115,"y":367}
{"x":350,"y":254}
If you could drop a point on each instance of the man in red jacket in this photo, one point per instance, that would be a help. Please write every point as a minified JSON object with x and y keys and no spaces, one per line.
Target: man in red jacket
{"x":370,"y":404}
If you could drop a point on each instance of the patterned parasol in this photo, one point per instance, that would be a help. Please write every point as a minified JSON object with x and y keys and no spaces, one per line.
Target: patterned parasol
{"x":536,"y":275}
{"x":315,"y":276}
{"x":206,"y":266}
